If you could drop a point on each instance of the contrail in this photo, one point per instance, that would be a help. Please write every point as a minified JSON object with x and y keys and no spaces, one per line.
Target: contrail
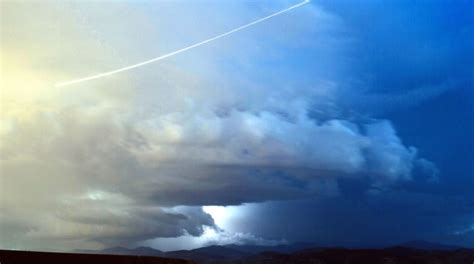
{"x":100,"y":75}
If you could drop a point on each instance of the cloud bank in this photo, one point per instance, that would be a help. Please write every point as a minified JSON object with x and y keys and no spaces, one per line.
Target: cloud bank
{"x":103,"y":163}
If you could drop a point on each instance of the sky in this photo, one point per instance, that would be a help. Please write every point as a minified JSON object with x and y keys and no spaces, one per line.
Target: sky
{"x":341,"y":123}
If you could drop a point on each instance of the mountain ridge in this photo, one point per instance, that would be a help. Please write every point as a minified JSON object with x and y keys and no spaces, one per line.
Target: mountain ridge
{"x":234,"y":253}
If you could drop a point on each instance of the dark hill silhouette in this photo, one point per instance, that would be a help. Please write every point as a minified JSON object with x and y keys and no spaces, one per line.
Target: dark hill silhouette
{"x":390,"y":255}
{"x":221,"y":251}
{"x":139,"y":251}
{"x":21,"y":257}
{"x":309,"y":253}
{"x":287,"y":248}
{"x":428,"y":245}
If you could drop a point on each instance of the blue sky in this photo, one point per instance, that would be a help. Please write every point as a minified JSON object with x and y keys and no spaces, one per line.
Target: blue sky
{"x":420,"y":56}
{"x":340,"y":123}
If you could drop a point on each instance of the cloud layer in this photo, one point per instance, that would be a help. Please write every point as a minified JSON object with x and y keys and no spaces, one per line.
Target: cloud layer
{"x":105,"y":163}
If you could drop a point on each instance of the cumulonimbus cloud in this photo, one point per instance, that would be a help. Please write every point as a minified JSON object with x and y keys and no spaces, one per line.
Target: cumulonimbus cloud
{"x":98,"y":164}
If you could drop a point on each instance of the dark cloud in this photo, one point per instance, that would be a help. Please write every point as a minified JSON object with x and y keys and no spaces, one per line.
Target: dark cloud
{"x":363,"y":220}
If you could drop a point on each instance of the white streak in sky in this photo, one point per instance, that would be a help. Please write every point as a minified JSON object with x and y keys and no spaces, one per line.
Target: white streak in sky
{"x":100,"y":75}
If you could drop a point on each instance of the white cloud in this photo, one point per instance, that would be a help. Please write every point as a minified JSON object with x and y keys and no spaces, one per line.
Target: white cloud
{"x":210,"y":236}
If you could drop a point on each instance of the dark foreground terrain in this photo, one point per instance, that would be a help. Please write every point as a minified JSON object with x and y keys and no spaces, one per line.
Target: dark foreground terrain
{"x":414,"y":252}
{"x":366,"y":256}
{"x":234,"y":254}
{"x":20,"y":257}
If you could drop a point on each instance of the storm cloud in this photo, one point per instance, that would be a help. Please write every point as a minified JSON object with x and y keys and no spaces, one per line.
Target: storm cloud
{"x":132,"y":158}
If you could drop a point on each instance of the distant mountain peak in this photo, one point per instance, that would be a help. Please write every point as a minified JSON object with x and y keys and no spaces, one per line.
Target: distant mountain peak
{"x":426,"y":245}
{"x":144,"y":251}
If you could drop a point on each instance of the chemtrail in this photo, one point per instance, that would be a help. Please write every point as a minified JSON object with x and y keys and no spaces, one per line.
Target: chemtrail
{"x":100,"y":75}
